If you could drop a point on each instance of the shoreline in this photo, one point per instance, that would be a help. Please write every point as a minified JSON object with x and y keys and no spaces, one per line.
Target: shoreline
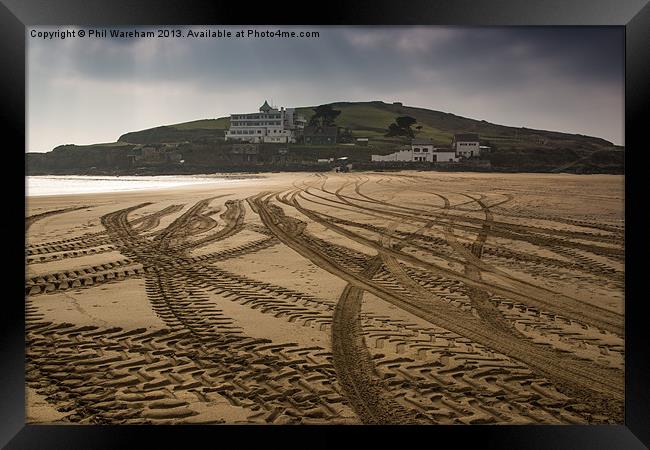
{"x":65,"y":185}
{"x":324,"y":169}
{"x":225,"y":180}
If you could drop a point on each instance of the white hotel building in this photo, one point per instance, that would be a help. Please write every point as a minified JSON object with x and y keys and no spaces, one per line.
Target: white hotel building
{"x":269,"y":125}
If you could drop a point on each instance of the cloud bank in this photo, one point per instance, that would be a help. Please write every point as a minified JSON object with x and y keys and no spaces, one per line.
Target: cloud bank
{"x":557,"y":78}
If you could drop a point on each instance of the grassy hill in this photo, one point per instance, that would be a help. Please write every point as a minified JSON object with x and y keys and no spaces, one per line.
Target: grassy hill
{"x":371,"y":119}
{"x":203,"y":131}
{"x":513,"y":148}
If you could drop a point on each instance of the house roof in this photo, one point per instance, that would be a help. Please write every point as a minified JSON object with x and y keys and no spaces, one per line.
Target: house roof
{"x":465,"y":137}
{"x":421,"y":142}
{"x":265,"y":107}
{"x":320,"y":131}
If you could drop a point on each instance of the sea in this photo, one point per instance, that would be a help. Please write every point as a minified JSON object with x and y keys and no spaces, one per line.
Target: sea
{"x":41,"y":185}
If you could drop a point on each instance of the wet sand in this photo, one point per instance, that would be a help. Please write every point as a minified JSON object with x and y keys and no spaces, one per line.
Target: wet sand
{"x":410,"y":297}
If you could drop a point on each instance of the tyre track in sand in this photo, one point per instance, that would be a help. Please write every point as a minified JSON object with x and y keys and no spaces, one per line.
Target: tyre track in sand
{"x":488,"y":309}
{"x":353,"y":362}
{"x":370,"y":396}
{"x":30,"y":220}
{"x":119,"y":270}
{"x":515,"y":288}
{"x":141,"y":225}
{"x":102,"y":375}
{"x":487,"y":312}
{"x":92,"y":244}
{"x":459,"y":364}
{"x":166,"y":289}
{"x":602,"y":388}
{"x":183,"y":307}
{"x":540,"y":235}
{"x":532,"y":290}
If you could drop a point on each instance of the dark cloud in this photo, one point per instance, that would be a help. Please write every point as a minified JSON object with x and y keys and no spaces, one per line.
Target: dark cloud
{"x":480,"y":71}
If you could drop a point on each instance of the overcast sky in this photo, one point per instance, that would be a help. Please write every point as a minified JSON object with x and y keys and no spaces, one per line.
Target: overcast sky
{"x":88,"y":90}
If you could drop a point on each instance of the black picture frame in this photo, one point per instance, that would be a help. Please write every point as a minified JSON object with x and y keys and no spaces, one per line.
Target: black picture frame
{"x":633,"y":15}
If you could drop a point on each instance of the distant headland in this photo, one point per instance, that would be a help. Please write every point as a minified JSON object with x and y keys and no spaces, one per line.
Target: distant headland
{"x":345,"y":135}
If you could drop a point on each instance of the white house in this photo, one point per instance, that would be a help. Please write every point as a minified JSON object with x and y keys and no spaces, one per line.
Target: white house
{"x":443,"y":155}
{"x":268,"y":125}
{"x":421,"y":150}
{"x":466,"y":145}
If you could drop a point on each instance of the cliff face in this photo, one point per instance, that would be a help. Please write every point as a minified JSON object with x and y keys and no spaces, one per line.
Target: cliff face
{"x":197,"y":158}
{"x":77,"y":159}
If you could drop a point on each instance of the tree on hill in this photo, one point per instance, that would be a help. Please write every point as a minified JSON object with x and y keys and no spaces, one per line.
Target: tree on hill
{"x":324,"y":116}
{"x":402,"y":127}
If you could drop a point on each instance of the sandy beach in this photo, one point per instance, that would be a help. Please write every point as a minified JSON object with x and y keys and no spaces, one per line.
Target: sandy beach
{"x":297,"y":298}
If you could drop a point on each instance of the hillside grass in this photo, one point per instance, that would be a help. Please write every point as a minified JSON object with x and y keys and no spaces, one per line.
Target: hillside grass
{"x":371,"y":120}
{"x":221,"y":123}
{"x":104,"y":144}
